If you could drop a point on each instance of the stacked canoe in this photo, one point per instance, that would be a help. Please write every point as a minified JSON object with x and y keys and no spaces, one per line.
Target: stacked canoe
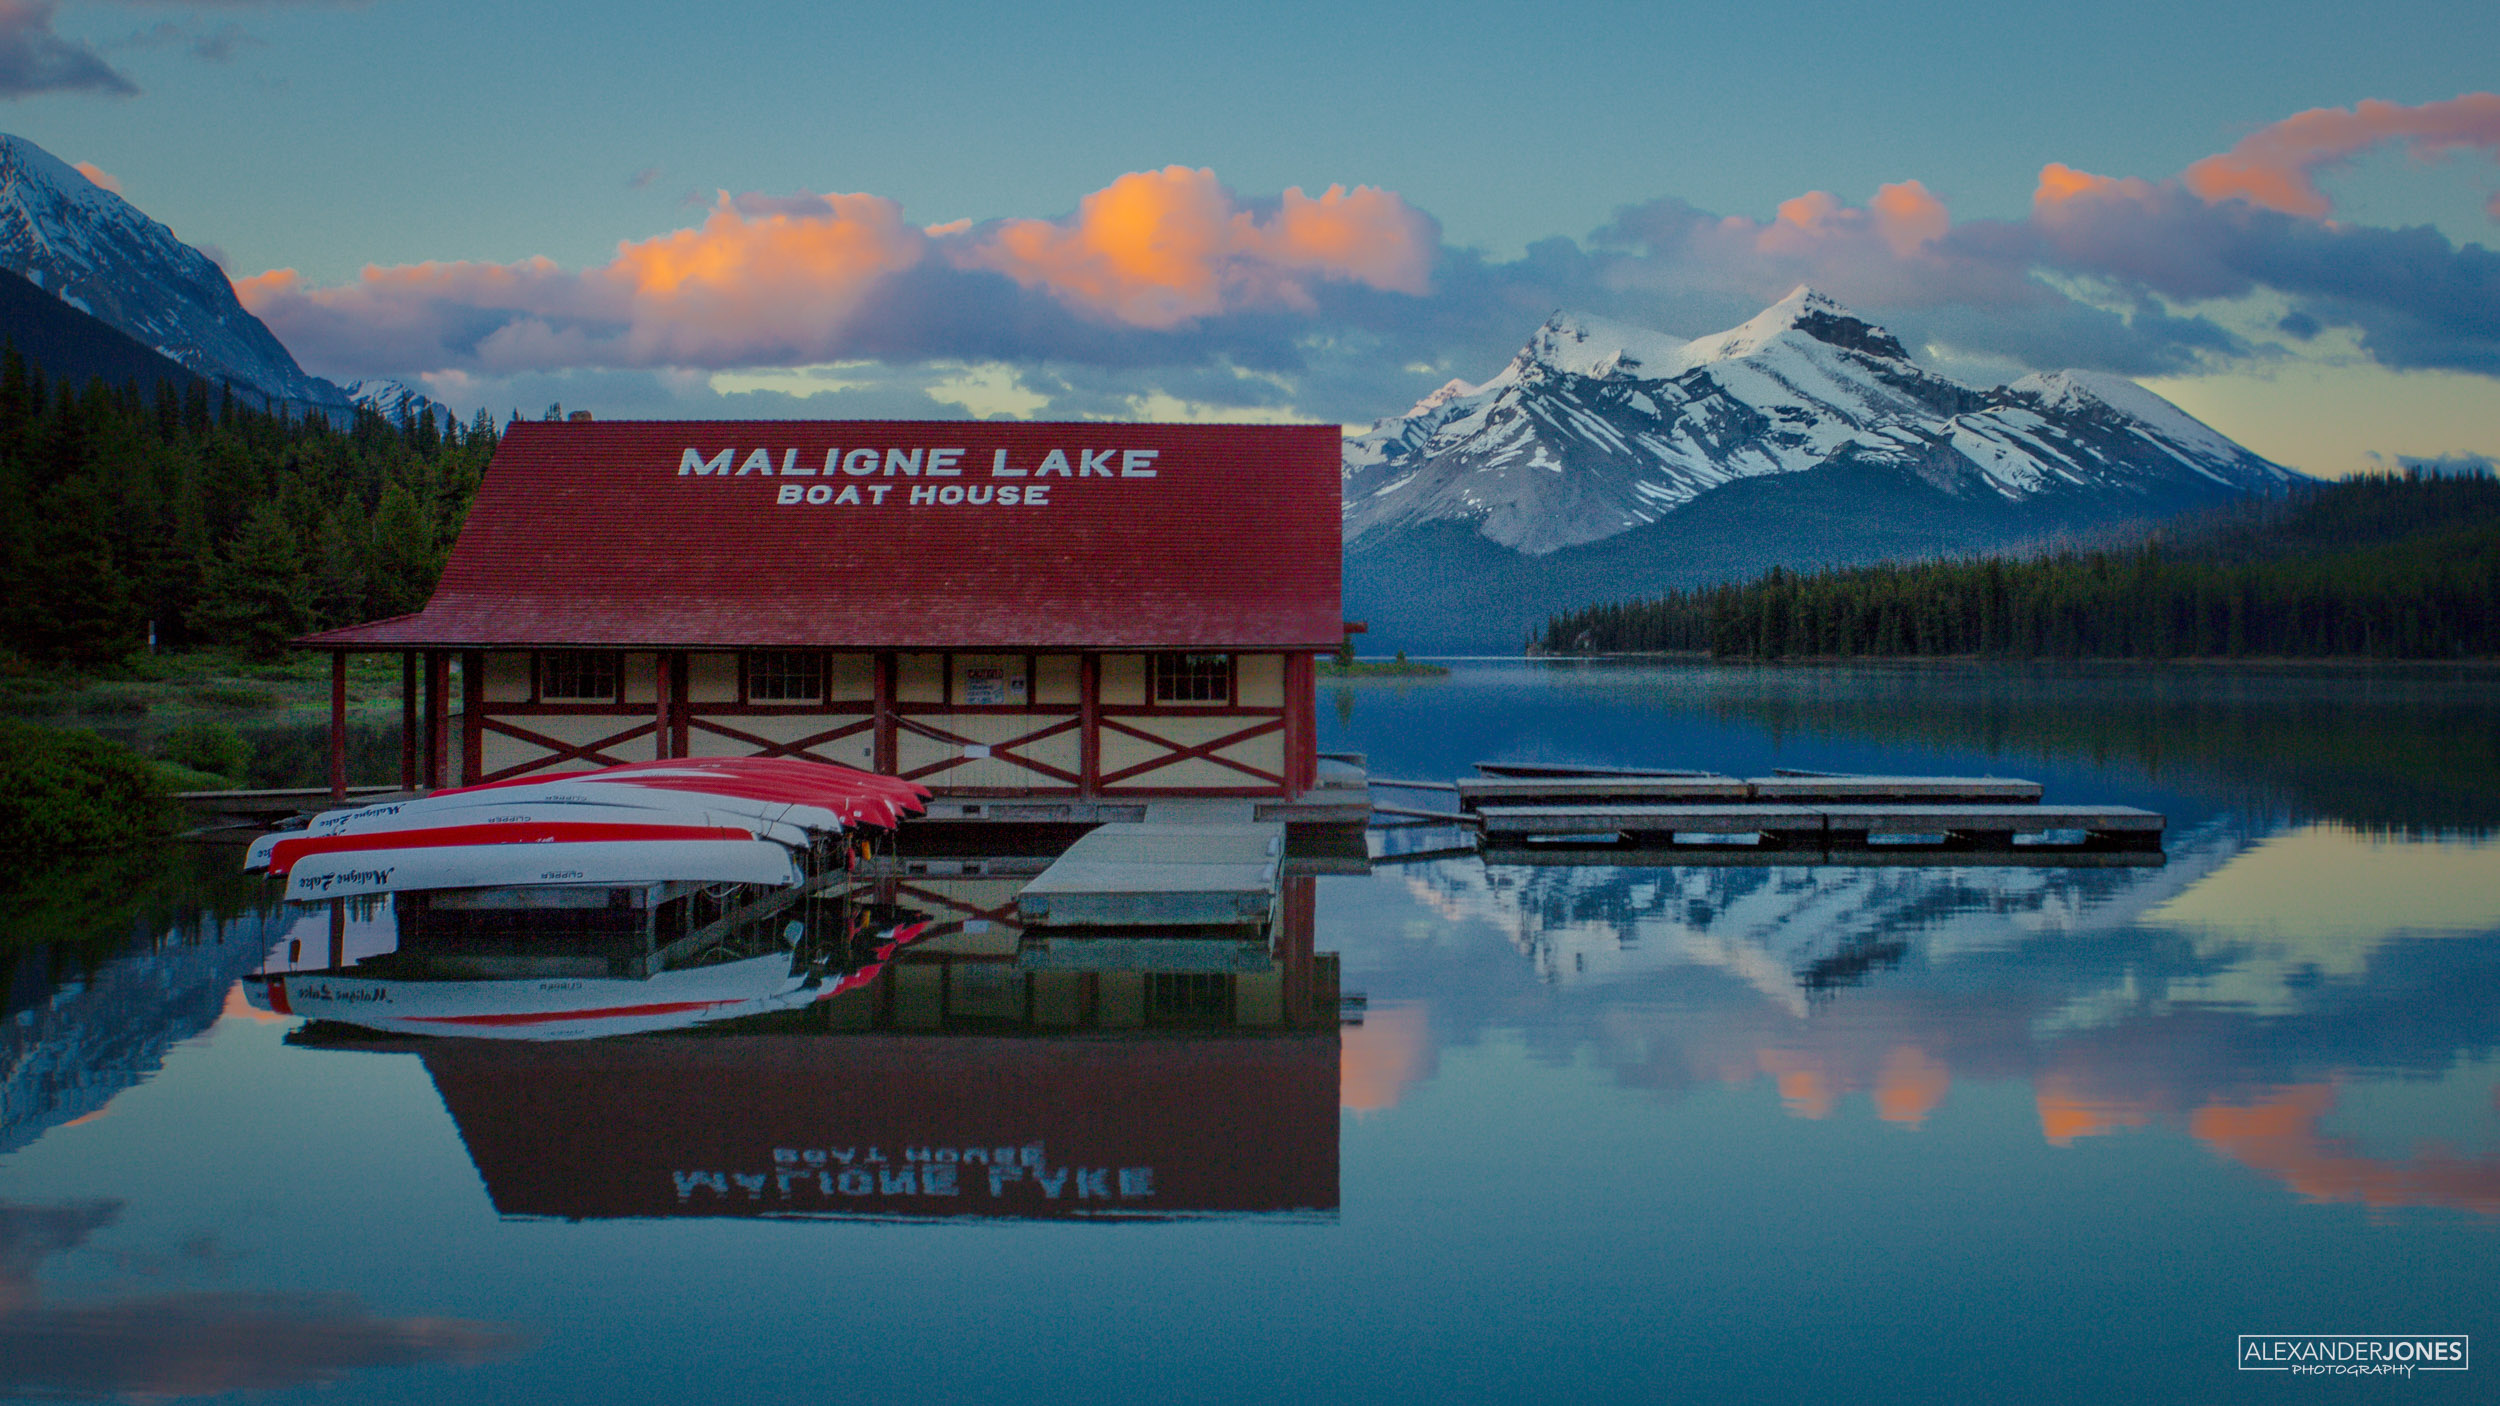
{"x":709,"y":820}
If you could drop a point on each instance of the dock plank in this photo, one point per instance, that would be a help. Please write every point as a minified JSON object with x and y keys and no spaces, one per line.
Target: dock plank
{"x":1880,"y":790}
{"x":1150,"y":875}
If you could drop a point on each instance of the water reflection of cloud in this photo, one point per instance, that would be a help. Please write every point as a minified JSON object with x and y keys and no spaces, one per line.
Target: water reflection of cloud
{"x":1383,"y":1057}
{"x":198,"y":1342}
{"x":2316,"y":903}
{"x":2179,"y":1001}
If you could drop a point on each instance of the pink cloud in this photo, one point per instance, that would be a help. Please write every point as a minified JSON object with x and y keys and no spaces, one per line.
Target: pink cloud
{"x":98,"y":175}
{"x":772,"y":280}
{"x":2276,"y":166}
{"x":1163,"y":248}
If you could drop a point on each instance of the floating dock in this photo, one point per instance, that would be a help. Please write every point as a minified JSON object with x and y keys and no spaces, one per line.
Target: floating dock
{"x":1558,"y":815}
{"x":1160,"y":876}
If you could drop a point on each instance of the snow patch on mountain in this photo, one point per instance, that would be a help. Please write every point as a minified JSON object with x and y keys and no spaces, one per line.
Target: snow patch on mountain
{"x":98,"y":253}
{"x":1596,"y":427}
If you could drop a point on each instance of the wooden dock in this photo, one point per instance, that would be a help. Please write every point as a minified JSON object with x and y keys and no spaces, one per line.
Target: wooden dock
{"x":1171,"y":876}
{"x":1542,"y":814}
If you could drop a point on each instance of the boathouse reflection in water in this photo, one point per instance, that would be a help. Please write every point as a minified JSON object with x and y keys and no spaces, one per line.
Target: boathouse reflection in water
{"x":976,"y":1075}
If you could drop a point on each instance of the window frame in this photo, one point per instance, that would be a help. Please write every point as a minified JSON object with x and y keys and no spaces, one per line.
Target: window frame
{"x":812,"y":664}
{"x":1196,"y":685}
{"x":546,"y":671}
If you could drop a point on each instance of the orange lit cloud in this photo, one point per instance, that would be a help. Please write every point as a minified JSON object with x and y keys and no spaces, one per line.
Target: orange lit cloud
{"x":1806,"y":1087}
{"x":1911,"y":1085}
{"x":2276,"y":166}
{"x":1380,"y":1058}
{"x":782,"y":281}
{"x":1904,"y":217}
{"x":98,"y":175}
{"x":2068,"y":1113}
{"x":2278,"y":1135}
{"x":1161,"y":248}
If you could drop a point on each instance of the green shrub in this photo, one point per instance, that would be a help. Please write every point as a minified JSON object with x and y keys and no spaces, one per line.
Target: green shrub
{"x":214,"y":748}
{"x":176,"y":777}
{"x":70,"y":789}
{"x":113,"y":701}
{"x":234,"y":695}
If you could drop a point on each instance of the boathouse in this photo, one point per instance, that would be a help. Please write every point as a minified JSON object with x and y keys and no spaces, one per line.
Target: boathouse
{"x":1087,"y":612}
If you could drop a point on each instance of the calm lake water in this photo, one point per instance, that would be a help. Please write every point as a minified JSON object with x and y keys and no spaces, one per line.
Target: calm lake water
{"x":1599,"y":1134}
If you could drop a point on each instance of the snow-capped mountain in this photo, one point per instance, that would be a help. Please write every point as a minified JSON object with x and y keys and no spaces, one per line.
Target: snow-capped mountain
{"x":99,"y":254}
{"x":1596,"y":428}
{"x":385,"y":397}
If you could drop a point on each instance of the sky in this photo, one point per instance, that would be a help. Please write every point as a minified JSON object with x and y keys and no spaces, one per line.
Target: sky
{"x":2281,"y":215}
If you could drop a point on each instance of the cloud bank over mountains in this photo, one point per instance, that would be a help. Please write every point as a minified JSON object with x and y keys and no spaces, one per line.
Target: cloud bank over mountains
{"x":1339,"y":301}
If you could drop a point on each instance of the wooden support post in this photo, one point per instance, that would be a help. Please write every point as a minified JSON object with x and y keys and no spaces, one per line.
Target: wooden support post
{"x":472,"y":707}
{"x":338,"y":933}
{"x":338,"y":725}
{"x":407,"y":720}
{"x":663,"y":711}
{"x":1296,"y":936}
{"x":437,"y":718}
{"x":886,"y":750}
{"x":1089,"y":726}
{"x":680,"y":712}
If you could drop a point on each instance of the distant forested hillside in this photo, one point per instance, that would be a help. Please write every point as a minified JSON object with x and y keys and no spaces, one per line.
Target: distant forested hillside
{"x":183,"y":508}
{"x":2380,"y":566}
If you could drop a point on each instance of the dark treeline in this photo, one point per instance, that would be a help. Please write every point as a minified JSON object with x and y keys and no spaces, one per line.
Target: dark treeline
{"x":213,"y":522}
{"x":2378,"y":566}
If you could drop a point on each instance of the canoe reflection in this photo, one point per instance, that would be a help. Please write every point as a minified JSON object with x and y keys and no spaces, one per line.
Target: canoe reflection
{"x":931,"y":1072}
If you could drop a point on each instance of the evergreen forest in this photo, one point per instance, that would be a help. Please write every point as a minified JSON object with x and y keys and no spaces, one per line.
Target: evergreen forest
{"x":2380,"y":566}
{"x":189,"y":515}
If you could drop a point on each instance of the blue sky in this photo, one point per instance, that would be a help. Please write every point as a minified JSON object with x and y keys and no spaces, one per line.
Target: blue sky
{"x":1498,"y":162}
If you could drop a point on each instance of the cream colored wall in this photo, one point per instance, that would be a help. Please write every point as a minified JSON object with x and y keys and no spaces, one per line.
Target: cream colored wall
{"x":859,"y":749}
{"x":920,"y":678}
{"x":1059,"y":679}
{"x":498,"y":751}
{"x":1124,"y":680}
{"x":851,"y":678}
{"x":711,"y":678}
{"x":506,"y":677}
{"x":639,"y":678}
{"x":1121,"y":751}
{"x":912,"y":751}
{"x":1259,"y":680}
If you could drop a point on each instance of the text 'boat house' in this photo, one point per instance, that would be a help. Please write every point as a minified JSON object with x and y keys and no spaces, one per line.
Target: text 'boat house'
{"x":1088,"y":612}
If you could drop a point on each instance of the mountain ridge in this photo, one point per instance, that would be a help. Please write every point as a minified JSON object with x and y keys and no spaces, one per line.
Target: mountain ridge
{"x":101,"y":255}
{"x":1602,"y":442}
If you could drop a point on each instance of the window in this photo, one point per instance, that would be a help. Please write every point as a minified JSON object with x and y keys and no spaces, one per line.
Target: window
{"x":1189,"y":998}
{"x":1193,"y":678}
{"x":785,"y":678}
{"x":577,"y":676}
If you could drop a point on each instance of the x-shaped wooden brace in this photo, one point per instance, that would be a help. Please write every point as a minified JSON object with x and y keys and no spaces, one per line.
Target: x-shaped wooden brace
{"x":1001,"y":750}
{"x":591,"y":751}
{"x":1204,"y":751}
{"x":766,"y":747}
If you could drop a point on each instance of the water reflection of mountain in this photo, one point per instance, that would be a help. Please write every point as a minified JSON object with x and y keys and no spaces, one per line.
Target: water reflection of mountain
{"x":77,"y":1032}
{"x":2308,"y":1002}
{"x":1792,"y":932}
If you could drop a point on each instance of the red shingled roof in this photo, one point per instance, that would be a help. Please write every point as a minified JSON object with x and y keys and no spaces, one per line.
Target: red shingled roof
{"x":626,"y":533}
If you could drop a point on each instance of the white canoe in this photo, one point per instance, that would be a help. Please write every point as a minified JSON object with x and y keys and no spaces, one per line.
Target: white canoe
{"x":539,"y":1009}
{"x":528,"y":813}
{"x":393,"y":814}
{"x":600,"y":864}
